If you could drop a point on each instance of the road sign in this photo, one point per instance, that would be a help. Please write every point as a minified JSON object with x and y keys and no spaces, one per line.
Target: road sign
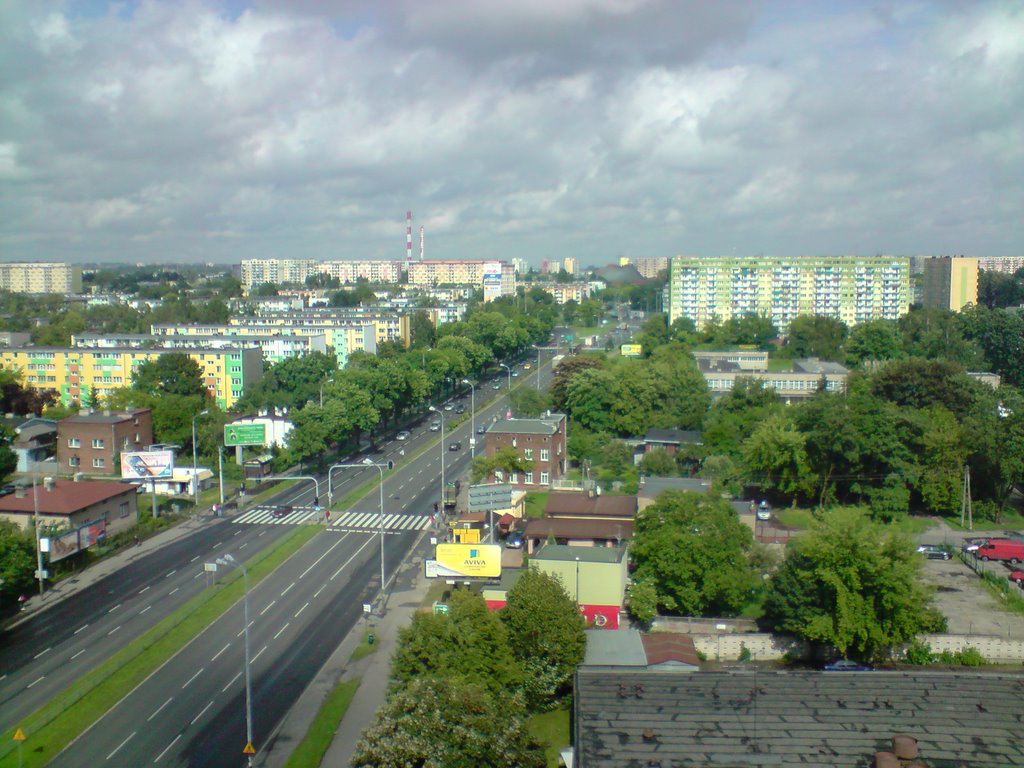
{"x":249,"y":749}
{"x":483,"y":498}
{"x":245,"y":434}
{"x":19,"y":735}
{"x":210,"y":567}
{"x":43,"y":574}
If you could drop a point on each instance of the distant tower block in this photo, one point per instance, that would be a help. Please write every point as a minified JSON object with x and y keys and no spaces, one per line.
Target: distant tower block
{"x":408,"y":236}
{"x":421,"y":243}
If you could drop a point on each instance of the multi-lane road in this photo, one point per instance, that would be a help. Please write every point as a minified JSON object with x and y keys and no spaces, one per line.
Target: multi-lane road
{"x":191,"y":711}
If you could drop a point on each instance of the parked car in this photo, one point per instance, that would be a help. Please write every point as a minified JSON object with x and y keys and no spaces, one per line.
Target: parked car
{"x":1017,"y":577}
{"x":281,"y":511}
{"x":1002,"y":549}
{"x":481,"y":429}
{"x":456,"y":446}
{"x":934,"y":551}
{"x":514,"y":540}
{"x":403,"y":435}
{"x":435,"y":426}
{"x":971,"y":545}
{"x":847,"y":665}
{"x":764,"y":511}
{"x":460,"y":408}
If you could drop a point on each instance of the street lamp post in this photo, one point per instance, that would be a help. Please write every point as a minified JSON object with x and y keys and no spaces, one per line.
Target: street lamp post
{"x":440,"y":415}
{"x":472,"y":417}
{"x":39,"y":549}
{"x":195,"y":458}
{"x":325,"y":381}
{"x":248,"y":679}
{"x":509,"y":375}
{"x":380,"y":519}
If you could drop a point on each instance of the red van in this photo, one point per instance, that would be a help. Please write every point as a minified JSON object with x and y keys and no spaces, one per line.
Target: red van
{"x":1002,"y":549}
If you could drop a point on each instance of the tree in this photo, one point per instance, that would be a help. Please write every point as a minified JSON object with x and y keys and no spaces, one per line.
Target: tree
{"x":873,"y":341}
{"x":506,"y":460}
{"x":528,"y":402}
{"x":546,"y":634}
{"x":421,"y":330}
{"x":642,"y":600}
{"x":936,"y":333}
{"x":917,"y":383}
{"x":694,"y":550}
{"x":817,"y":336}
{"x":658,"y":462}
{"x":564,"y":373}
{"x":590,"y":398}
{"x":470,"y":643}
{"x":445,"y":723}
{"x":173,"y":373}
{"x":734,"y":416}
{"x":16,"y":398}
{"x":776,"y":458}
{"x":17,"y":561}
{"x":1000,"y":334}
{"x":848,"y":584}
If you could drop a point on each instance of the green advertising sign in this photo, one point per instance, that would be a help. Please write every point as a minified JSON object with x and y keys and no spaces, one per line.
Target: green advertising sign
{"x":245,"y":434}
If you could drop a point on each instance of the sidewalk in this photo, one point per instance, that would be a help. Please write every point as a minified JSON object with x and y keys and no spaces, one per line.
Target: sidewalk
{"x":76,"y":582}
{"x":408,"y":590}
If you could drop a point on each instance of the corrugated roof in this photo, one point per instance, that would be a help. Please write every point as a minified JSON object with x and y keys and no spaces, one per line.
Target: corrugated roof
{"x":565,"y":553}
{"x":668,"y":647}
{"x":66,"y":498}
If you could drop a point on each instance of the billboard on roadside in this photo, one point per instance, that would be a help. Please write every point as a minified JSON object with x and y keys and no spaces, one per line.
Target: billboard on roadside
{"x":147,"y":465}
{"x":74,"y":541}
{"x":482,"y":561}
{"x":245,"y":434}
{"x":631,"y":350}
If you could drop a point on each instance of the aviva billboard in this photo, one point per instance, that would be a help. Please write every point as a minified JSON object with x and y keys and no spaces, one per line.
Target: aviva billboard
{"x":482,"y":561}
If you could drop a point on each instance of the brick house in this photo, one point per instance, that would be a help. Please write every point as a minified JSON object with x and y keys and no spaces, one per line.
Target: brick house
{"x":540,"y":440}
{"x":69,"y":504}
{"x":92,"y":442}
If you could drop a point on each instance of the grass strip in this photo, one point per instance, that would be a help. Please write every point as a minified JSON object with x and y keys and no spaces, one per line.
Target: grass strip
{"x":552,"y":730}
{"x":365,"y":647}
{"x":314,"y":745}
{"x":58,"y":722}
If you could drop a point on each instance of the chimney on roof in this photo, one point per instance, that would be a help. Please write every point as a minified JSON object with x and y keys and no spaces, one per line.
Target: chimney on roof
{"x":49,"y":483}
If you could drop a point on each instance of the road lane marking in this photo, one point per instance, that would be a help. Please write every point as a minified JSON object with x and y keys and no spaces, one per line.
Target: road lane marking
{"x":244,"y":545}
{"x":35,"y":681}
{"x":287,"y":588}
{"x":201,"y":713}
{"x":41,"y":653}
{"x":317,"y":593}
{"x":217,"y":545}
{"x":194,"y":559}
{"x":243,"y":629}
{"x":233,"y":679}
{"x":168,"y":748}
{"x":237,"y":532}
{"x":145,"y":609}
{"x":261,"y":533}
{"x":354,"y":555}
{"x":259,"y":654}
{"x":268,"y":607}
{"x":143,"y":589}
{"x":114,"y":608}
{"x":121,"y":745}
{"x":197,"y":575}
{"x":197,"y":674}
{"x":226,"y":646}
{"x":171,"y":573}
{"x":300,"y":611}
{"x":81,"y":628}
{"x":173,"y":591}
{"x":317,"y":561}
{"x":77,"y":654}
{"x":282,"y":629}
{"x":113,"y":630}
{"x":157,"y":712}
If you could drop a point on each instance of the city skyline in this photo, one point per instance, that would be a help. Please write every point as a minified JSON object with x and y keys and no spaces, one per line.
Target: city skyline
{"x":219,"y":131}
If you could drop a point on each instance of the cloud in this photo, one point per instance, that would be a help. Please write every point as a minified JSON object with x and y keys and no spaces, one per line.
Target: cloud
{"x":532,"y":129}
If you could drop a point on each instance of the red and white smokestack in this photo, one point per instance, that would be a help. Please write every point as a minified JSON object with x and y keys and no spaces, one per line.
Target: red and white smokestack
{"x":421,"y":243}
{"x":408,"y":235}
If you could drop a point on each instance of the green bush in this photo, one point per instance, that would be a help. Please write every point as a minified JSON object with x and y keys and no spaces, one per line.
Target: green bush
{"x":919,"y":653}
{"x":745,"y":654}
{"x":968,"y":657}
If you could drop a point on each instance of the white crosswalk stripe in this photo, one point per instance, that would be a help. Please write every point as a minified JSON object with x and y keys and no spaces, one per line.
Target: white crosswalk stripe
{"x":265,"y":516}
{"x":370,"y":521}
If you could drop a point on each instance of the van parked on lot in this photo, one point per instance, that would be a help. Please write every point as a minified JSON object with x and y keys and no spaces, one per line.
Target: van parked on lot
{"x":1002,"y":549}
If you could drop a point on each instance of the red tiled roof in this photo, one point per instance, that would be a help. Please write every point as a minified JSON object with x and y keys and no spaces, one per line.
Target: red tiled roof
{"x":559,"y":527}
{"x":66,"y":498}
{"x":666,"y":646}
{"x":563,"y":503}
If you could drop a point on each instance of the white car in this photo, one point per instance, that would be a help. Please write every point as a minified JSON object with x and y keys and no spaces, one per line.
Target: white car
{"x":403,"y":435}
{"x":764,"y":511}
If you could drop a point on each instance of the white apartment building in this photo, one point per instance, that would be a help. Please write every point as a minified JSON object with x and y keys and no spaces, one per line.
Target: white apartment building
{"x":40,"y":277}
{"x":496,"y":278}
{"x":258,"y":271}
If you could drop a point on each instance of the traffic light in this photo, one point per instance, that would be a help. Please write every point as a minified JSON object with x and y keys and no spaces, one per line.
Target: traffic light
{"x":391,"y":464}
{"x":316,"y":501}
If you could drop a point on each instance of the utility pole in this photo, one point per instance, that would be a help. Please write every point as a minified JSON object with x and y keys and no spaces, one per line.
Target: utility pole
{"x":965,"y":501}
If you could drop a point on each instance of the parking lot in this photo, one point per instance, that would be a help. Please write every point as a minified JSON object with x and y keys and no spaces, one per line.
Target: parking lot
{"x":967,"y":604}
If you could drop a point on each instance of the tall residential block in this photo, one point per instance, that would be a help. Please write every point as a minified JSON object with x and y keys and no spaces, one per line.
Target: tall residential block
{"x":853,"y":289}
{"x":1001,"y":263}
{"x":40,"y":277}
{"x":950,"y":282}
{"x":295,"y":271}
{"x":496,"y":278}
{"x":647,"y":266}
{"x":83,"y":375}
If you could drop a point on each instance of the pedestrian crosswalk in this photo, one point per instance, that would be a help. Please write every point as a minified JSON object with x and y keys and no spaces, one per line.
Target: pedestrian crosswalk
{"x":265,"y":516}
{"x":345,"y":521}
{"x":370,"y":521}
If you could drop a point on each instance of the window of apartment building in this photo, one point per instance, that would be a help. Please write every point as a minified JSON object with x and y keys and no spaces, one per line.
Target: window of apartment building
{"x":528,"y":453}
{"x":545,"y":454}
{"x":74,"y":461}
{"x":125,"y":444}
{"x":236,"y":369}
{"x":528,"y":477}
{"x":97,"y":442}
{"x":513,"y":477}
{"x":544,"y":478}
{"x":99,"y":462}
{"x":74,"y":442}
{"x":122,"y":509}
{"x":499,"y":476}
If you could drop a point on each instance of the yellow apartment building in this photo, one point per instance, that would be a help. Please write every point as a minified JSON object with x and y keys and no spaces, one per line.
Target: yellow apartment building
{"x":77,"y":375}
{"x":40,"y":277}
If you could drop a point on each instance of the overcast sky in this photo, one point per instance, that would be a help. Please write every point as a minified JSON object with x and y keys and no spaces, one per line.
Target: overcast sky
{"x":216,"y":131}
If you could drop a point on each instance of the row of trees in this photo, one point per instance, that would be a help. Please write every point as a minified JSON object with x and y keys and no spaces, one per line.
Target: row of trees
{"x":847,"y":583}
{"x":463,"y":683}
